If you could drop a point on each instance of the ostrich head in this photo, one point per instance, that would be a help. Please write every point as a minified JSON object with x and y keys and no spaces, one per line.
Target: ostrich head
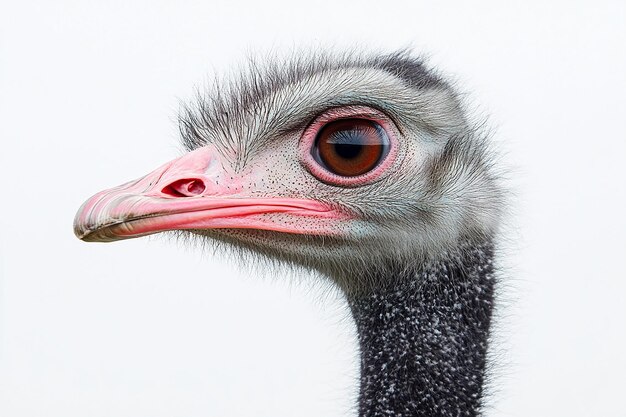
{"x":365,"y":168}
{"x":349,"y":164}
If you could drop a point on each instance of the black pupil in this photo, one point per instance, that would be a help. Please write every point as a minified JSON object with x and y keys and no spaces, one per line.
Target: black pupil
{"x":348,"y":150}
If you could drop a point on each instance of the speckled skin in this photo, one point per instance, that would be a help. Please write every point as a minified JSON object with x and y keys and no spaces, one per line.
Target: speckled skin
{"x":423,"y":340}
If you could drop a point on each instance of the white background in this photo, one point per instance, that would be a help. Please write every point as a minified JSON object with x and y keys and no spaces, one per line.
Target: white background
{"x":88,"y":99}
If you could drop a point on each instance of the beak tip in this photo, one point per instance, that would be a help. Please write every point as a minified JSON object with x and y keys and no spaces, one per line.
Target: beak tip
{"x":87,"y":234}
{"x":84,"y":235}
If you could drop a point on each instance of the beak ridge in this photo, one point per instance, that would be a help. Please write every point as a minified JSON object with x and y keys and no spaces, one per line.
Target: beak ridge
{"x":184,"y":194}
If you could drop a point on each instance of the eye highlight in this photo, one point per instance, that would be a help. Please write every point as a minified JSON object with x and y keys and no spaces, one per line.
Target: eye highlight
{"x":350,"y":147}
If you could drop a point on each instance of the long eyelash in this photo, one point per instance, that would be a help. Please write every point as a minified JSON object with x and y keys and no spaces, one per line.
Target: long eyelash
{"x":347,"y":137}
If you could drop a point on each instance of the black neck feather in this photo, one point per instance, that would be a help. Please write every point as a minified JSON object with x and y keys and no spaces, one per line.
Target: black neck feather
{"x":424,"y":339}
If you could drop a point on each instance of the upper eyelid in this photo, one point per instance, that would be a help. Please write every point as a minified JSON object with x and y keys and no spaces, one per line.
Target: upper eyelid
{"x":306,"y":120}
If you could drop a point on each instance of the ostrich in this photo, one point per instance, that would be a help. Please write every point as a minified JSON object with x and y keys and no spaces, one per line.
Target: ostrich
{"x":366,"y":168}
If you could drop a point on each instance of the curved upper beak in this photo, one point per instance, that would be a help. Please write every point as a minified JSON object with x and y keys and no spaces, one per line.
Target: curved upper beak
{"x":187,"y":193}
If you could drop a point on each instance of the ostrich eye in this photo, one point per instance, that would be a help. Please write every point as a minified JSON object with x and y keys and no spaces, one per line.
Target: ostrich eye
{"x":350,"y":147}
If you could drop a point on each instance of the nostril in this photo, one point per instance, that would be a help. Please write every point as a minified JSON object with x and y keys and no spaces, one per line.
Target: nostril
{"x":187,"y":187}
{"x":196,"y":187}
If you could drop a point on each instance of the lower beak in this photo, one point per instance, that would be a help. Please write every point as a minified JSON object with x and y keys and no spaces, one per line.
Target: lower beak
{"x":184,"y":194}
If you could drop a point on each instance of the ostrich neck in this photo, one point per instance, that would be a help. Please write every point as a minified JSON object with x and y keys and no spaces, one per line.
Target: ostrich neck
{"x":423,"y":340}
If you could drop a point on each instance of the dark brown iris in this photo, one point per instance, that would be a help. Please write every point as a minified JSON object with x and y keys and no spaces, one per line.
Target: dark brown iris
{"x":351,"y":147}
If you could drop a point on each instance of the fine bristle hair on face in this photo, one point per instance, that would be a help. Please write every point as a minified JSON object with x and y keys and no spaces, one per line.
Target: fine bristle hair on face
{"x":228,"y":102}
{"x":451,"y":198}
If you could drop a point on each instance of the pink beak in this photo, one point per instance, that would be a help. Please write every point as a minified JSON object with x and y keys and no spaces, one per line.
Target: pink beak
{"x":186,"y":194}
